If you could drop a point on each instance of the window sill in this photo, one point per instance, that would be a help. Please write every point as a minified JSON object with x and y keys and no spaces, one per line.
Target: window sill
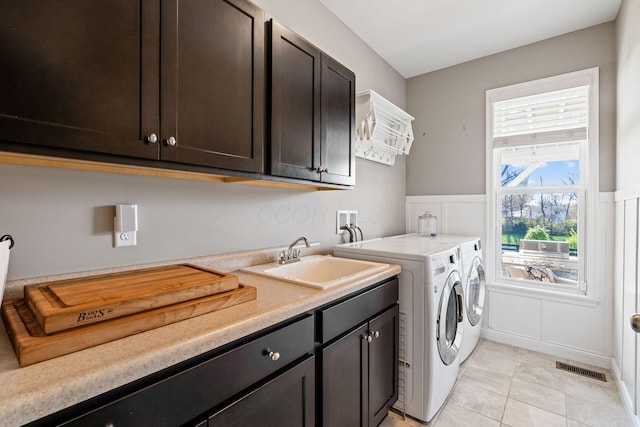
{"x":546,"y":294}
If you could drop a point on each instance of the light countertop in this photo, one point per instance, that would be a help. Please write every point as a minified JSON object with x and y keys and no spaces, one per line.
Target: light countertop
{"x":34,"y":391}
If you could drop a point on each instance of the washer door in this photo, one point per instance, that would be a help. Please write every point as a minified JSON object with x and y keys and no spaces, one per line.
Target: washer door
{"x":475,"y":294}
{"x":450,"y":319}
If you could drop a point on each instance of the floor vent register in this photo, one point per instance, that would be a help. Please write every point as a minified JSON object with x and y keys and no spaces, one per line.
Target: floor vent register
{"x":581,"y":371}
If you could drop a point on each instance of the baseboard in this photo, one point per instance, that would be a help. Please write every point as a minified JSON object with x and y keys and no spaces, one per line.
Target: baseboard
{"x":553,"y":349}
{"x":624,"y":394}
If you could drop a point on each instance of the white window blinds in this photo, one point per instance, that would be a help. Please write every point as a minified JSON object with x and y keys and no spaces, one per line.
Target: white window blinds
{"x":558,"y":116}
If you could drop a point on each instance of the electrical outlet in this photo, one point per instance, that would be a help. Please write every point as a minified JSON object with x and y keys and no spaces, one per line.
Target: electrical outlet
{"x":125,"y":238}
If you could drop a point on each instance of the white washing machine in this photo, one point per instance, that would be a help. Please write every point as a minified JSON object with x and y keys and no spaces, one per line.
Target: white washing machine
{"x":474,"y":287}
{"x":431,"y":316}
{"x":474,"y":294}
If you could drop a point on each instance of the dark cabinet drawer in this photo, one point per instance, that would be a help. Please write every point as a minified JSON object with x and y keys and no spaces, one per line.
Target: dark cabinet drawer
{"x":287,"y":400}
{"x":194,"y":391}
{"x":339,"y":318}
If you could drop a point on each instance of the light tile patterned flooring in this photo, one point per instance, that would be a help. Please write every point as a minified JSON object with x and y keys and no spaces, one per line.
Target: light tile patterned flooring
{"x":504,"y":386}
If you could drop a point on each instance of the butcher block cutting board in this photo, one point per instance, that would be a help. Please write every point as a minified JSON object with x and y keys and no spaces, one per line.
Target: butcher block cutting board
{"x":32,"y":345}
{"x":61,"y":305}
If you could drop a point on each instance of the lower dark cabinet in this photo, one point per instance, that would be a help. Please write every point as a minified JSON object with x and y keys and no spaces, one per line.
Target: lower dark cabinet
{"x":383,"y":365}
{"x":359,"y":373}
{"x":194,"y":391}
{"x":334,"y":366}
{"x":287,"y":400}
{"x":344,"y":376}
{"x":358,"y":367}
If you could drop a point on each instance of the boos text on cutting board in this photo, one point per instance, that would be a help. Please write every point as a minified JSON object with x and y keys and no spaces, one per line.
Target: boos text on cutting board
{"x":93,"y":314}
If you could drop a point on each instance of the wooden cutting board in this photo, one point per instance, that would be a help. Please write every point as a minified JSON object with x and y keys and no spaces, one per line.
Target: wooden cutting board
{"x":66,"y":304}
{"x":32,"y":345}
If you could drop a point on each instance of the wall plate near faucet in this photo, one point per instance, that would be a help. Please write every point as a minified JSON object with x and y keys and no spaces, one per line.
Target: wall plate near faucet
{"x":345,"y":217}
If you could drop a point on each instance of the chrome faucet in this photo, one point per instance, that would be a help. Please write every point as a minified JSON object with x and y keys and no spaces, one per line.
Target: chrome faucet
{"x":292,"y":255}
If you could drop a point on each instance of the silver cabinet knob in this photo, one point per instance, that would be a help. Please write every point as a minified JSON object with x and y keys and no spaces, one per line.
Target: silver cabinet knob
{"x":376,"y":334}
{"x":635,"y":322}
{"x":152,"y":138}
{"x":273,"y":355}
{"x":320,"y":169}
{"x":367,"y":337}
{"x":172,"y":141}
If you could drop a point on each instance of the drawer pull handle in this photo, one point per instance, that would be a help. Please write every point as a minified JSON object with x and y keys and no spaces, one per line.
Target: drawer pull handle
{"x":273,"y":355}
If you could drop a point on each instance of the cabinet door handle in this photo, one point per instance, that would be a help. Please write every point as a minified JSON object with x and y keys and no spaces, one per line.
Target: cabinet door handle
{"x":376,"y":334}
{"x":273,"y":355}
{"x":635,"y":322}
{"x":320,"y":169}
{"x":172,"y":141}
{"x":152,"y":138}
{"x":367,"y":337}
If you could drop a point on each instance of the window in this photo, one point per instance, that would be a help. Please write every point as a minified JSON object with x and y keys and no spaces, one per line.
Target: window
{"x":542,"y":181}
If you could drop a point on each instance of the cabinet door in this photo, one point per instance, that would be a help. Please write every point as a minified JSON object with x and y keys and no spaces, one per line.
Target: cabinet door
{"x":80,"y":75}
{"x":344,"y":380}
{"x":383,"y":364}
{"x":213,"y":83}
{"x":287,"y":400}
{"x":295,"y":105}
{"x":338,"y":123}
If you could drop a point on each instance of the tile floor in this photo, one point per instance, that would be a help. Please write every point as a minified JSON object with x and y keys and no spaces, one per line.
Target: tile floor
{"x":505,"y":386}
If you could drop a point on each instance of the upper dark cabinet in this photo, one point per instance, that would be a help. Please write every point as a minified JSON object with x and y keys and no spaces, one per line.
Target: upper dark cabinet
{"x":79,"y":74}
{"x":295,"y":105}
{"x":212,"y":84}
{"x":312,"y":111}
{"x":337,"y":155}
{"x":179,"y":80}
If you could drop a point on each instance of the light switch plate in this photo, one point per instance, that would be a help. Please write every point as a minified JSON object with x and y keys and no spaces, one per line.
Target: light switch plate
{"x":125,"y":225}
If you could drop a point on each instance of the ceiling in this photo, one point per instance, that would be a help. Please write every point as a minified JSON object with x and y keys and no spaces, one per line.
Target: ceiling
{"x":419,"y":36}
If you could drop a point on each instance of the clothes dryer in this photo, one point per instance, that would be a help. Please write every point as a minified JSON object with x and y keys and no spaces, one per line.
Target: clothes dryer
{"x":431,"y":316}
{"x":474,"y":290}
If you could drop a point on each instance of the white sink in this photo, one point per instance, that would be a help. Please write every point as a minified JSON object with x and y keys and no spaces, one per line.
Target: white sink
{"x":318,"y":271}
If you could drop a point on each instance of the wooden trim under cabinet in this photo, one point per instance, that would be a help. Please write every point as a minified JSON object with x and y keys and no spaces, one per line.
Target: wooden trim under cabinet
{"x":94,"y":166}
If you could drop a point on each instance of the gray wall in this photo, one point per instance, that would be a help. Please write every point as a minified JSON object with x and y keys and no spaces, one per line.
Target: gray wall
{"x":448,"y":154}
{"x":62,"y":220}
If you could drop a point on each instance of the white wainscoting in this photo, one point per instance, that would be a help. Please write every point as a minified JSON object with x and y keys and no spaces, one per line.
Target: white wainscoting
{"x":566,"y":327}
{"x":626,"y":343}
{"x":461,"y":214}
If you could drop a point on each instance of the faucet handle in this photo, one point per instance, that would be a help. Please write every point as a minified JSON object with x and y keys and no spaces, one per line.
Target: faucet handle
{"x":282,"y":257}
